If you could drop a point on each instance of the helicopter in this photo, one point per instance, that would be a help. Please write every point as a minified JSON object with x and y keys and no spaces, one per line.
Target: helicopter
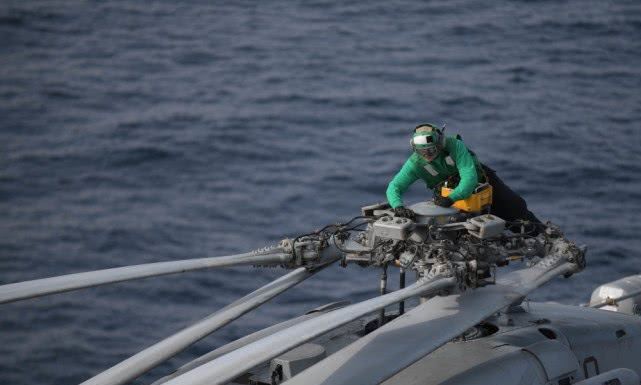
{"x":473,"y":325}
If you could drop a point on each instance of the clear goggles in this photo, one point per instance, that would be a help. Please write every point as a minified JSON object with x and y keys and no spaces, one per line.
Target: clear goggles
{"x":428,"y":152}
{"x":425,"y":146}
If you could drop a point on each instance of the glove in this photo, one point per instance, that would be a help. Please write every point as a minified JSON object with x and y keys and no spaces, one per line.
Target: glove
{"x":443,"y":201}
{"x":403,"y":212}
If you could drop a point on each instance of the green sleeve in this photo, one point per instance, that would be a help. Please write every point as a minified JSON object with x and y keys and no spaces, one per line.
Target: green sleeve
{"x":401,"y":182}
{"x":466,"y":169}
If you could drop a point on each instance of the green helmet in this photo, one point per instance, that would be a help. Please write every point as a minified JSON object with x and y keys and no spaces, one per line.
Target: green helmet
{"x":427,"y":141}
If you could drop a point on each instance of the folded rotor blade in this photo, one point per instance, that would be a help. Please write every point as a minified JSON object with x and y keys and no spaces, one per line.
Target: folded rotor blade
{"x":249,"y":339}
{"x":231,"y":365}
{"x":149,"y":358}
{"x":395,"y":346}
{"x":39,"y":287}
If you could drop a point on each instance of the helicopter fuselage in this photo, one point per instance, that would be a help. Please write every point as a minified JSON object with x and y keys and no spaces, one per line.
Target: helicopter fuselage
{"x":536,"y":343}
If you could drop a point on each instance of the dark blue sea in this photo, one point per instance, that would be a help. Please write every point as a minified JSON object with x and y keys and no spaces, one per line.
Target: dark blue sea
{"x":135,"y":132}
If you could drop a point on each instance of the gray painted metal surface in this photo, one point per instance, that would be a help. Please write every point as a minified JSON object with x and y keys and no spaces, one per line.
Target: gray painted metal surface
{"x":39,"y":287}
{"x":557,"y":360}
{"x":621,"y":376}
{"x":167,"y":348}
{"x":384,"y":352}
{"x":428,"y":208}
{"x":249,"y":339}
{"x":428,"y":212}
{"x":226,"y":368}
{"x":542,"y":340}
{"x":483,"y":361}
{"x":296,"y":360}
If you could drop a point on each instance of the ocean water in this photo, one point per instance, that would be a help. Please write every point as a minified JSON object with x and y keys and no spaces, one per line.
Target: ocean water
{"x":133,"y":132}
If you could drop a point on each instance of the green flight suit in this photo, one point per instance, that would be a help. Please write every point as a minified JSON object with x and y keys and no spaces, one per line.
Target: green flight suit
{"x":454,"y":159}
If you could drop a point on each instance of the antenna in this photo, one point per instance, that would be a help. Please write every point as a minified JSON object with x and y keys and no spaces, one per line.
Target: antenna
{"x":442,"y":135}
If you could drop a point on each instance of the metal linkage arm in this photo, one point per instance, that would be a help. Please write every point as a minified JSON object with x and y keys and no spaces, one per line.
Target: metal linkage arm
{"x":615,"y":301}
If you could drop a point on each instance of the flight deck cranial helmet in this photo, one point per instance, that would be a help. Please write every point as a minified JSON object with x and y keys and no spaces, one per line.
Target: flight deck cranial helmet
{"x":427,"y":141}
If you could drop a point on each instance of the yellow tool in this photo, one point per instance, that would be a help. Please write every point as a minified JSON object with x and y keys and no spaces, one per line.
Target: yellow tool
{"x":480,"y":199}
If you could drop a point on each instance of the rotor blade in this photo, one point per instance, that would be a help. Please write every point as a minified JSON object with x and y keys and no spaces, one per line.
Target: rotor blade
{"x":138,"y":364}
{"x":39,"y":287}
{"x":229,"y":366}
{"x":249,"y":339}
{"x":395,"y":346}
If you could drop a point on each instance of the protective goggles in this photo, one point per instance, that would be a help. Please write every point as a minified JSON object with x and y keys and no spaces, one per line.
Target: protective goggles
{"x":427,"y":152}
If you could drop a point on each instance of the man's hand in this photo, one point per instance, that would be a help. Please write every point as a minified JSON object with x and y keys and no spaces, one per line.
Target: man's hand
{"x":443,"y":201}
{"x":403,"y":212}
